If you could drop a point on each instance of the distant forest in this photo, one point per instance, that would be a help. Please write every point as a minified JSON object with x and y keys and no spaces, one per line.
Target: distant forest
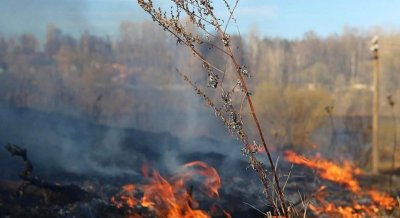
{"x":127,"y":80}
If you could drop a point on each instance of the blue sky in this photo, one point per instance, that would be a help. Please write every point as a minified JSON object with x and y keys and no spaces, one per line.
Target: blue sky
{"x":274,"y":18}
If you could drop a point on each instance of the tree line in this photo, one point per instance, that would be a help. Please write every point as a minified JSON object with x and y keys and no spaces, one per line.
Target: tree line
{"x":129,"y":78}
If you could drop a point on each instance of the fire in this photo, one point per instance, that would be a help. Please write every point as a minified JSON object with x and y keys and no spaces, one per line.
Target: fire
{"x":351,"y":211}
{"x":382,"y":199}
{"x":212,"y":181}
{"x":171,"y":198}
{"x":344,"y":175}
{"x":330,"y":171}
{"x":356,"y":209}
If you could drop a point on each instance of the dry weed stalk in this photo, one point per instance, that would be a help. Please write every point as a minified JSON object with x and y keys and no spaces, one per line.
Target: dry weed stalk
{"x":201,"y":14}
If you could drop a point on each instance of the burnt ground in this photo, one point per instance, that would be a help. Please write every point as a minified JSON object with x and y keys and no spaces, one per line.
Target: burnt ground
{"x":88,"y":163}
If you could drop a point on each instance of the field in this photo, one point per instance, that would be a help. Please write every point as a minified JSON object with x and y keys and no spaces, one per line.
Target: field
{"x":182,"y":114}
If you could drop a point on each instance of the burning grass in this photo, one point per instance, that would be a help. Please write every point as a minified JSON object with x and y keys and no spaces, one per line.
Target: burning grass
{"x":342,"y":174}
{"x":171,"y":197}
{"x":365,"y":202}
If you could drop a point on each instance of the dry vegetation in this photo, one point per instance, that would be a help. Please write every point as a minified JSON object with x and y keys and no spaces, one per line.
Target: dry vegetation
{"x":288,"y":114}
{"x":310,"y":95}
{"x":211,"y":31}
{"x":292,"y":114}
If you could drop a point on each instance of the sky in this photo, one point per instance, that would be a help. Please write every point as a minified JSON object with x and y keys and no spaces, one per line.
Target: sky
{"x":273,"y":18}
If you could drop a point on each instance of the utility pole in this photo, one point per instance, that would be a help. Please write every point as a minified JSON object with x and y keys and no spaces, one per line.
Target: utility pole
{"x":375,"y":106}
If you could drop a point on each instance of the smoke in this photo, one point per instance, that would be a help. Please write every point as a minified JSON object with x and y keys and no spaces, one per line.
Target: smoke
{"x":92,"y":106}
{"x":60,"y":143}
{"x":56,"y":142}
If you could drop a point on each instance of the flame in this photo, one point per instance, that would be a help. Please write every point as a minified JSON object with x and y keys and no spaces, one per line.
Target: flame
{"x":171,"y":199}
{"x":212,"y":181}
{"x":382,"y":199}
{"x":357,"y":211}
{"x":344,"y":175}
{"x":330,"y":171}
{"x":354,"y":211}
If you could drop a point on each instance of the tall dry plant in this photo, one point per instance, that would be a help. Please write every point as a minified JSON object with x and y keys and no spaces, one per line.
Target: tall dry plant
{"x":211,"y":32}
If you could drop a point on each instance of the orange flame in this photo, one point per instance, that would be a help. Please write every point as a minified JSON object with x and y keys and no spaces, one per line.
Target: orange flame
{"x":171,"y":199}
{"x":355,"y":210}
{"x":340,"y":174}
{"x":343,"y":175}
{"x":212,"y":181}
{"x":382,"y":199}
{"x":343,"y":211}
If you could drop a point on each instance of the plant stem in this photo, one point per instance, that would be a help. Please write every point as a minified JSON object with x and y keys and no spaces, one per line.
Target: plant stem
{"x":255,"y":119}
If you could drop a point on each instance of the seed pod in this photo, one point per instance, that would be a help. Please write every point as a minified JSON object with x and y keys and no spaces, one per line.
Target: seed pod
{"x":244,"y":71}
{"x":212,"y":80}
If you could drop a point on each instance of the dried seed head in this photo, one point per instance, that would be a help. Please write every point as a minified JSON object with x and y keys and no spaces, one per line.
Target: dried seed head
{"x":233,"y":117}
{"x":239,"y":83}
{"x":244,"y":71}
{"x":212,"y":80}
{"x":256,"y":147}
{"x":227,"y":100}
{"x":234,"y":121}
{"x":245,"y":151}
{"x":226,"y":97}
{"x":225,"y":40}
